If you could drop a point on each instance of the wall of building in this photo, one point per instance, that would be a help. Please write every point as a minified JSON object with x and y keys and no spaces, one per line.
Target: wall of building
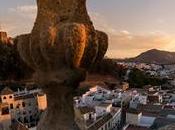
{"x":133,"y":119}
{"x":5,"y":121}
{"x":100,"y":110}
{"x":42,"y":102}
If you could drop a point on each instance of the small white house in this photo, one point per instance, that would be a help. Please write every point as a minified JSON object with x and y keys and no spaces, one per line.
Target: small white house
{"x":103,"y":108}
{"x":133,"y":117}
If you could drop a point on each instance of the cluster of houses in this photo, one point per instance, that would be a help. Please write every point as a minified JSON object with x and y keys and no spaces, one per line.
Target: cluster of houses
{"x":151,"y":108}
{"x":100,"y":108}
{"x":21,"y":108}
{"x":163,"y":71}
{"x":159,"y":71}
{"x":94,"y":110}
{"x":132,"y":109}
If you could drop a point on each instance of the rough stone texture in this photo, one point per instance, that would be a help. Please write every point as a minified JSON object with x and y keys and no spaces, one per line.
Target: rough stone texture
{"x":5,"y":39}
{"x":62,"y":45}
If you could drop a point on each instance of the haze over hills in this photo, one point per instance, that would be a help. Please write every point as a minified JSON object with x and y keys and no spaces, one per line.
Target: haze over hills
{"x":155,"y":56}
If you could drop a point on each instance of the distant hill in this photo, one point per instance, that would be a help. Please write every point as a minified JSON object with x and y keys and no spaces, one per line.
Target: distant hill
{"x":155,"y":56}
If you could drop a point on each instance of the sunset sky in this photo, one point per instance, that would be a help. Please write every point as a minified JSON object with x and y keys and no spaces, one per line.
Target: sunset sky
{"x":133,"y":26}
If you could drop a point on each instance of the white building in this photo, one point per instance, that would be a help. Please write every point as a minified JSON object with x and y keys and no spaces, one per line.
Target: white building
{"x":21,"y":106}
{"x":94,"y":110}
{"x":138,"y":99}
{"x":103,"y":108}
{"x":133,"y":117}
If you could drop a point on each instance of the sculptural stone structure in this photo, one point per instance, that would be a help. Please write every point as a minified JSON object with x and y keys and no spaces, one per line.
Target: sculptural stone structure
{"x":61,"y":47}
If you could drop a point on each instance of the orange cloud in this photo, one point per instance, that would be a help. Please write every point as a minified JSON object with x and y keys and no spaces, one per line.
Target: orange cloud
{"x":121,"y":43}
{"x":128,"y":45}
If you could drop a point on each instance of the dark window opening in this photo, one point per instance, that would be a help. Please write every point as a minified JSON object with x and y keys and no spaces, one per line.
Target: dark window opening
{"x":23,"y":104}
{"x":11,"y":106}
{"x":5,"y":111}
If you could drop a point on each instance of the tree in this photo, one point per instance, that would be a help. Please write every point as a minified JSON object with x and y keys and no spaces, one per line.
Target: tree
{"x":138,"y":78}
{"x":11,"y":65}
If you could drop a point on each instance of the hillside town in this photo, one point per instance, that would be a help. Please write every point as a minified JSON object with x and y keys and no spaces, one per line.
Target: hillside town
{"x":102,"y":107}
{"x":164,"y":71}
{"x":126,"y":107}
{"x":110,"y":105}
{"x":156,"y":70}
{"x":131,"y":109}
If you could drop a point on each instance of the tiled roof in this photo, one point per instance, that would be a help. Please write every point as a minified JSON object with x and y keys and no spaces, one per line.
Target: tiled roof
{"x":162,"y":122}
{"x":85,"y":110}
{"x":24,"y":97}
{"x":149,"y":108}
{"x":133,"y":111}
{"x":132,"y":127}
{"x":168,"y":127}
{"x":153,"y":99}
{"x":100,"y":122}
{"x":6,"y":91}
{"x":164,"y":112}
{"x":104,"y":104}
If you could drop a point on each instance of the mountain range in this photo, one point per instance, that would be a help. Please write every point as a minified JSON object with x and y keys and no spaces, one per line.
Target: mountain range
{"x":155,"y":56}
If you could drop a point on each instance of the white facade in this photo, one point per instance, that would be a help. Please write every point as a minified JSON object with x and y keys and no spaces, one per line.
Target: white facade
{"x":133,"y":118}
{"x":146,"y":121}
{"x":21,"y":106}
{"x":102,"y":109}
{"x":42,"y":102}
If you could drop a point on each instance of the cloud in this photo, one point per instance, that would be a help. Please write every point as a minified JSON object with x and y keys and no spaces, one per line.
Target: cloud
{"x":25,"y":10}
{"x":122,"y":43}
{"x":101,"y":23}
{"x":19,"y":20}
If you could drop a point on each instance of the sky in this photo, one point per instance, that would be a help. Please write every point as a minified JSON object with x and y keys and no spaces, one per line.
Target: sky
{"x":133,"y":26}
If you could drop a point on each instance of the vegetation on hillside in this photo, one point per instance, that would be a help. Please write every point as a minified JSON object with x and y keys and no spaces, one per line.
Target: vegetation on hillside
{"x":11,"y":65}
{"x":109,"y":66}
{"x":139,"y":79}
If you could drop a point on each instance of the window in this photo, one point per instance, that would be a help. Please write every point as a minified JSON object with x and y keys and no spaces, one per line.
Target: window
{"x":11,"y":106}
{"x":4,"y":97}
{"x":10,"y":97}
{"x":106,"y":127}
{"x":108,"y":124}
{"x":31,"y":118}
{"x":26,"y":120}
{"x":19,"y":119}
{"x":23,"y":104}
{"x":24,"y":113}
{"x":29,"y":104}
{"x":5,"y":111}
{"x":17,"y":106}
